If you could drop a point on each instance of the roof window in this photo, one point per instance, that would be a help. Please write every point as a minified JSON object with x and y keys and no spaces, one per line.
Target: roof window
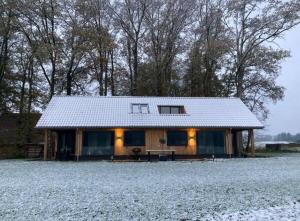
{"x":171,"y":110}
{"x":140,"y":108}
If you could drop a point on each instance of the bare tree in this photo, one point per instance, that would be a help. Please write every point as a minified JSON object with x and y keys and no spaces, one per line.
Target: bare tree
{"x":208,"y":51}
{"x":43,"y":17}
{"x":253,"y":24}
{"x":165,"y":22}
{"x":254,"y":64}
{"x":74,"y":72}
{"x":96,"y":23}
{"x":142,"y":47}
{"x":130,"y":17}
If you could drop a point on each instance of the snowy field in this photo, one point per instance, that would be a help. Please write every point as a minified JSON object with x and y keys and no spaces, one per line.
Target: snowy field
{"x":233,"y":189}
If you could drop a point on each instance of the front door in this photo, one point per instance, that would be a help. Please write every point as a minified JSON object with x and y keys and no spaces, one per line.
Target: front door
{"x":66,"y":145}
{"x":98,"y":143}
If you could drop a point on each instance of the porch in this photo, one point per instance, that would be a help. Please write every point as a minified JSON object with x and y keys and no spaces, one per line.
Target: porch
{"x":123,"y":144}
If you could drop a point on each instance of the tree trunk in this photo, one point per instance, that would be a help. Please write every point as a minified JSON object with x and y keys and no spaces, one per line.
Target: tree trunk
{"x":52,"y":85}
{"x":3,"y":57}
{"x":69,"y":76}
{"x":129,"y":56}
{"x":69,"y":83}
{"x":105,"y":73}
{"x":112,"y":81}
{"x":22,"y":95}
{"x":135,"y":67}
{"x":100,"y":76}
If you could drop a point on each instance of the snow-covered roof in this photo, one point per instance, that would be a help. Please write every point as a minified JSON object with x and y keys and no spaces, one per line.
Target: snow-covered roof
{"x":111,"y":112}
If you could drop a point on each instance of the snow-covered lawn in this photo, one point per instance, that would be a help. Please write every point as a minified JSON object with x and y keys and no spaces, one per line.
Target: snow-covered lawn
{"x":233,"y":189}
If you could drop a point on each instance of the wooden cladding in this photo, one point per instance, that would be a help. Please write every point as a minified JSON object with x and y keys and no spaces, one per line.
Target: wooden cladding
{"x":153,"y":137}
{"x":78,"y":143}
{"x":45,"y":144}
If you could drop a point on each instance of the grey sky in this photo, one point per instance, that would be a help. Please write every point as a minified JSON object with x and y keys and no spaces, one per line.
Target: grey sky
{"x":285,"y":115}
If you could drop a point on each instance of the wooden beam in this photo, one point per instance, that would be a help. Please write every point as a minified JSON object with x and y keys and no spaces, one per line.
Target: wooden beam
{"x":228,"y":142}
{"x":78,"y":144}
{"x":80,"y":141}
{"x":239,"y":142}
{"x":45,"y":144}
{"x":55,"y":145}
{"x":230,"y":151}
{"x":252,"y":145}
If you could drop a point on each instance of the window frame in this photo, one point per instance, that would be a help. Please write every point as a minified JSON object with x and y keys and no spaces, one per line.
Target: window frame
{"x":181,"y":109}
{"x":125,"y":141}
{"x":140,"y":105}
{"x":146,"y":107}
{"x":177,"y":144}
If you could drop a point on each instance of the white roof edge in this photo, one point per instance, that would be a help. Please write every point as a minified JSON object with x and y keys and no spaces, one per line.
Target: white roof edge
{"x":154,"y":97}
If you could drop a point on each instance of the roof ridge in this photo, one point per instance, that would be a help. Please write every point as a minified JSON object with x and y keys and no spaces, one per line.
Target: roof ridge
{"x":98,"y":96}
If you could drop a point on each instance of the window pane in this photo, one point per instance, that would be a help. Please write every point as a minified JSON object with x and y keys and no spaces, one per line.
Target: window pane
{"x":175,"y":110}
{"x":144,"y":108}
{"x":219,"y":142}
{"x":134,"y":138}
{"x":135,"y":108}
{"x":176,"y":138}
{"x":165,"y":110}
{"x":211,"y":142}
{"x":96,"y":143}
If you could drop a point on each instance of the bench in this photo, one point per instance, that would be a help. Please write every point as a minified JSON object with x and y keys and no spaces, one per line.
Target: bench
{"x":172,"y":151}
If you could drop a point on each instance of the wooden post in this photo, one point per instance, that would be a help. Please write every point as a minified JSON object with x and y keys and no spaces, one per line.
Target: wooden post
{"x":228,"y":142}
{"x":239,"y":142}
{"x":80,"y":141}
{"x":78,"y":144}
{"x":45,"y":144}
{"x":252,"y":145}
{"x":230,"y":151}
{"x":55,"y":145}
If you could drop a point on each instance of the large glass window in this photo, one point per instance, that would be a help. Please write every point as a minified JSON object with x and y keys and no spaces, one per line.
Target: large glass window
{"x":96,"y":143}
{"x":171,"y":109}
{"x":66,"y":144}
{"x":211,"y":142}
{"x":134,"y":138}
{"x":176,"y":138}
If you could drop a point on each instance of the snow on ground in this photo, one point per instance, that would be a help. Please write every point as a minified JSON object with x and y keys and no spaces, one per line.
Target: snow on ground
{"x":233,"y":189}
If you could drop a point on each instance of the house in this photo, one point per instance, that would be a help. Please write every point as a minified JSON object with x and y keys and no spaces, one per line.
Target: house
{"x":82,"y":127}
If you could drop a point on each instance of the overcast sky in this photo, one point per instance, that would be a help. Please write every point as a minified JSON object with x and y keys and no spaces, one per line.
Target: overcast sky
{"x":285,"y":115}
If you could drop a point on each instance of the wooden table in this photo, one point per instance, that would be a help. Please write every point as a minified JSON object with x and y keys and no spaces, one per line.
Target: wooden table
{"x":172,"y":151}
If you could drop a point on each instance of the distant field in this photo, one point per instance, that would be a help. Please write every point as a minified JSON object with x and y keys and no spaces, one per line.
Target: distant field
{"x":231,"y":189}
{"x":293,"y":147}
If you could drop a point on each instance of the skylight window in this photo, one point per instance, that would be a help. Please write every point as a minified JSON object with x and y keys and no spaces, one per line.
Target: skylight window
{"x":140,"y":108}
{"x":171,"y":109}
{"x":135,"y":108}
{"x":144,"y":108}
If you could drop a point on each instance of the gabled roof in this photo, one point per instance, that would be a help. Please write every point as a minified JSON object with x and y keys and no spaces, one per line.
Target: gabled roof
{"x":111,"y":112}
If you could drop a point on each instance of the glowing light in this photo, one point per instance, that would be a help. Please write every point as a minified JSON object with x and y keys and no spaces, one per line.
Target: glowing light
{"x":119,"y":146}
